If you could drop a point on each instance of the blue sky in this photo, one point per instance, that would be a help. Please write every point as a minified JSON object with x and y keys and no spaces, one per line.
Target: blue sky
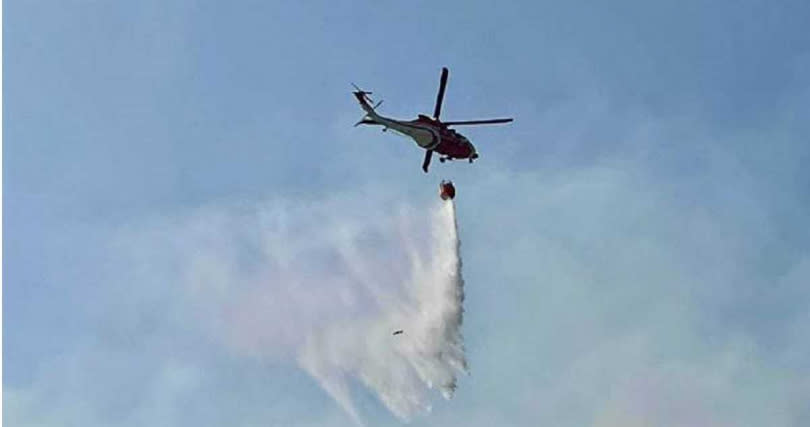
{"x":635,"y":245}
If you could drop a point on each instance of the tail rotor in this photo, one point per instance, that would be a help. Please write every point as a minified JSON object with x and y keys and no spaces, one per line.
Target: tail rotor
{"x":367,"y":103}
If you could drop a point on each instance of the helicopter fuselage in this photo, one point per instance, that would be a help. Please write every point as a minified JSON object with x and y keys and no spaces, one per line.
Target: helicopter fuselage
{"x":427,"y":133}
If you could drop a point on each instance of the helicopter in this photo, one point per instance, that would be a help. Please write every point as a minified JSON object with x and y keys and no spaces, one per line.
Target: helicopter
{"x":429,"y":133}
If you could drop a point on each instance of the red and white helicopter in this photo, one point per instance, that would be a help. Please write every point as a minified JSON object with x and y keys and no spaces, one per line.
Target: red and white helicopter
{"x":428,"y":133}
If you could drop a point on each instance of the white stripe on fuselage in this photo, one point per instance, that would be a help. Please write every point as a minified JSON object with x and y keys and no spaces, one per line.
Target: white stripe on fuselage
{"x":425,"y":136}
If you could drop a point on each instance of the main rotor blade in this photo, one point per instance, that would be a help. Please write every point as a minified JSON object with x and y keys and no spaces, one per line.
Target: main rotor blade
{"x":426,"y":162}
{"x":478,"y":122}
{"x":440,"y":96}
